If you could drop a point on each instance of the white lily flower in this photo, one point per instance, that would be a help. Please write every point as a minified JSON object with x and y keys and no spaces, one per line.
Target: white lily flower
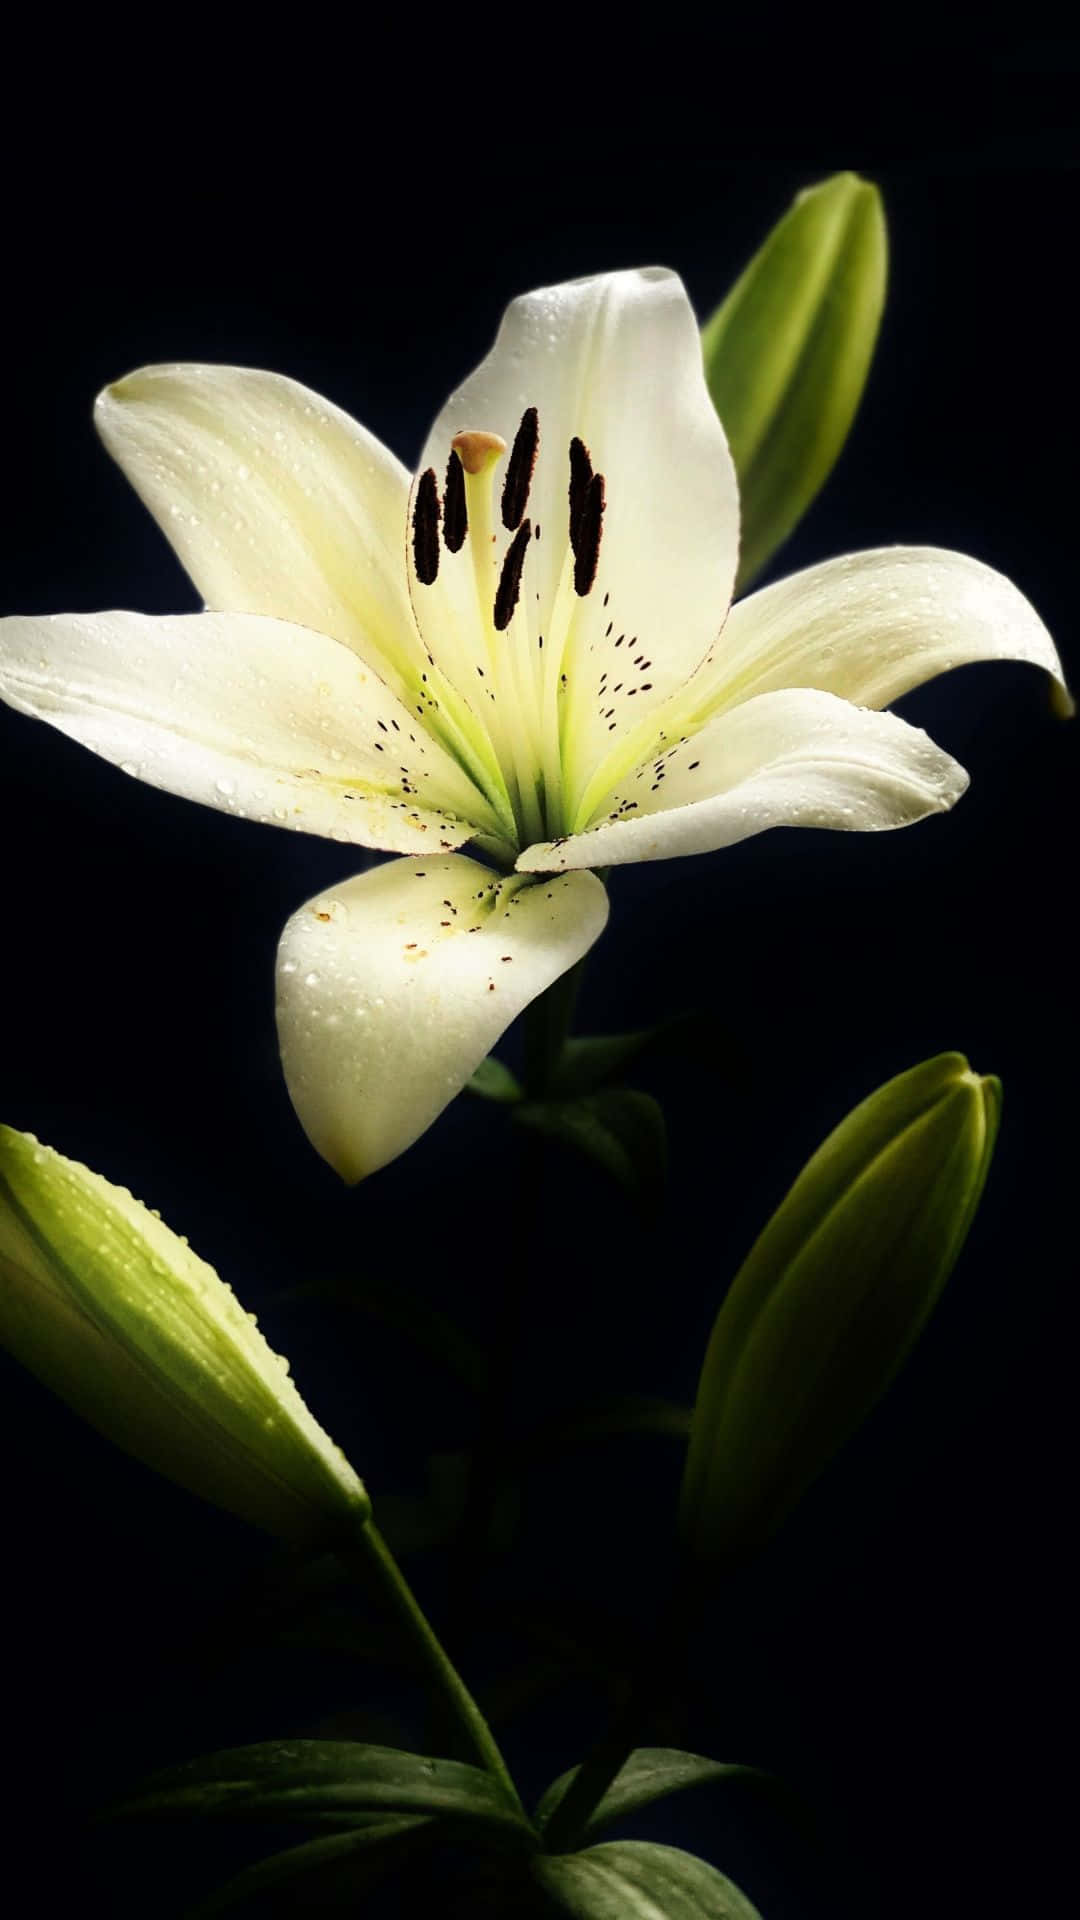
{"x":529,"y":648}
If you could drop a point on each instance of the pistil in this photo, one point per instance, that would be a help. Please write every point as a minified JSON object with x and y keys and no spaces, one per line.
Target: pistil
{"x":511,"y":716}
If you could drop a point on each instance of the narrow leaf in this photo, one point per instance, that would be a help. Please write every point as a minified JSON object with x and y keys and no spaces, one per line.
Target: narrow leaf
{"x":619,"y":1129}
{"x":396,"y":1306}
{"x":494,"y":1081}
{"x":592,"y":1060}
{"x":338,"y":1864}
{"x":598,"y":1419}
{"x":322,"y":1781}
{"x":651,"y":1773}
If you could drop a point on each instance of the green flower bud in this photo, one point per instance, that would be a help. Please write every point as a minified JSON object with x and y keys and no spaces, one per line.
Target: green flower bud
{"x":788,"y":352}
{"x":831,"y":1298}
{"x":115,"y":1313}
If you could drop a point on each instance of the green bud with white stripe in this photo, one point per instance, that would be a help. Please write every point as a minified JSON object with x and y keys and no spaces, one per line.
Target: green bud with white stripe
{"x":116,"y":1314}
{"x":831,"y":1298}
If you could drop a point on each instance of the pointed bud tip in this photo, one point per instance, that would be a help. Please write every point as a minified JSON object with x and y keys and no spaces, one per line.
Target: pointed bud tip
{"x":115,"y":393}
{"x":840,"y":186}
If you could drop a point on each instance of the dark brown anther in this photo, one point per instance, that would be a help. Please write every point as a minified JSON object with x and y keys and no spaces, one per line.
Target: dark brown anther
{"x":590,"y":527}
{"x":506,"y":598}
{"x":519,"y":468}
{"x":425,"y":521}
{"x":455,"y":523}
{"x":581,"y":472}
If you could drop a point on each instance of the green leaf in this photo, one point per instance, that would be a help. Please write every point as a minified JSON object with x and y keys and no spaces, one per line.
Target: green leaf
{"x":321,"y":1783}
{"x":493,"y":1081}
{"x":589,"y":1061}
{"x":395,"y":1305}
{"x":639,"y":1880}
{"x":831,"y":1298}
{"x":332,"y":1869}
{"x":618,"y":1128}
{"x":413,"y":1522}
{"x":611,"y":1414}
{"x":788,"y":352}
{"x":651,"y":1773}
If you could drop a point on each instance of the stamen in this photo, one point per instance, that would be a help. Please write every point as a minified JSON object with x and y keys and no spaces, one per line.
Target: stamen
{"x":455,"y":510}
{"x":519,"y":469}
{"x":506,"y":598}
{"x":581,"y":472}
{"x":426,"y":528}
{"x":590,"y":527}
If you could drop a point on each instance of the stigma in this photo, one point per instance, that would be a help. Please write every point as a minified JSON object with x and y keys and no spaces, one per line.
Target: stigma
{"x":478,"y":451}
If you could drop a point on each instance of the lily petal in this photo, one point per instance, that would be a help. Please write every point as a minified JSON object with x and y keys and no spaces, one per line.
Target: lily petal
{"x":275,"y":501}
{"x":794,"y":758}
{"x":393,"y":986}
{"x":253,"y":716}
{"x":870,"y":626}
{"x":614,"y":362}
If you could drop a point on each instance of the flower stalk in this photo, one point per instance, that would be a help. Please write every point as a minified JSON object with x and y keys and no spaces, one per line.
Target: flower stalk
{"x":371,"y":1560}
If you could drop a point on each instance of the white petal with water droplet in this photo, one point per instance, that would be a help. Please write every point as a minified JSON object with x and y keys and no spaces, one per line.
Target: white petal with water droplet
{"x":795,"y":758}
{"x":870,"y":626}
{"x":275,"y":500}
{"x":250,"y":715}
{"x":393,"y":986}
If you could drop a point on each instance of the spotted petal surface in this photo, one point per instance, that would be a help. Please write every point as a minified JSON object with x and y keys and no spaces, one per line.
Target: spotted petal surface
{"x":393,"y":986}
{"x":613,"y":362}
{"x":797,"y":758}
{"x":249,"y":715}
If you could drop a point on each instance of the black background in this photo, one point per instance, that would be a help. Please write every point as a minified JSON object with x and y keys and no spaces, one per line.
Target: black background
{"x":357,"y":218}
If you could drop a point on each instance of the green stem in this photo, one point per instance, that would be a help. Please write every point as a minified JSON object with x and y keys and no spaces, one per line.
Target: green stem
{"x":379,"y":1561}
{"x":547,"y":1024}
{"x":656,"y":1680}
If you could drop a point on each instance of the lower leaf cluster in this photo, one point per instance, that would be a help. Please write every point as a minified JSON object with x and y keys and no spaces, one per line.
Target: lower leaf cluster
{"x":398,"y":1831}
